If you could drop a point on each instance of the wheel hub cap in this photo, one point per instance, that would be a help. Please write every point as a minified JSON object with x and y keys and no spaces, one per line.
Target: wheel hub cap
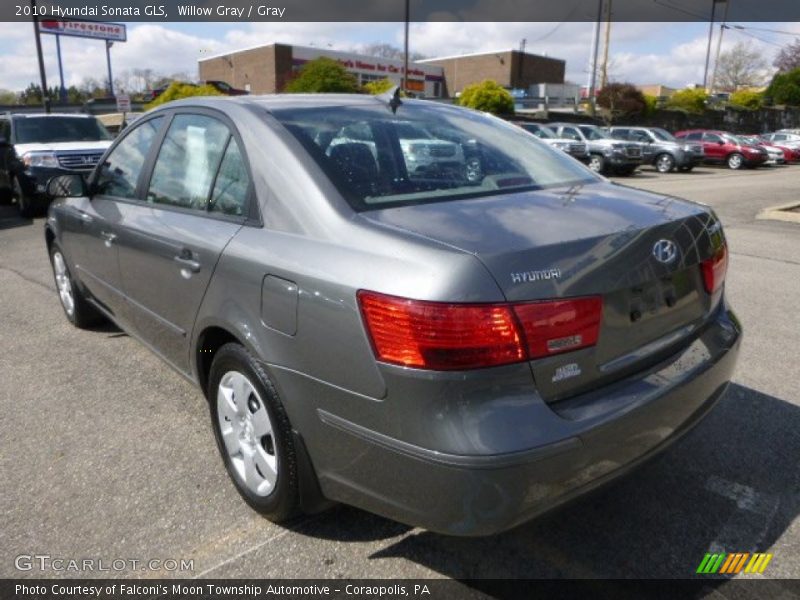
{"x":63,"y":283}
{"x":247,"y":433}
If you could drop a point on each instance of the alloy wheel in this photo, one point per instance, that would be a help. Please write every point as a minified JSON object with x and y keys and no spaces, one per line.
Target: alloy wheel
{"x":64,"y":283}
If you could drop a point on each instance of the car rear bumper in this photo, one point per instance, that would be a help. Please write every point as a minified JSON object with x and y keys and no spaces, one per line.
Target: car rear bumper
{"x":584,"y":441}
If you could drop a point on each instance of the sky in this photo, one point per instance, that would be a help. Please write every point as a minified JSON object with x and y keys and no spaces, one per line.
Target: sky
{"x":672,"y":54}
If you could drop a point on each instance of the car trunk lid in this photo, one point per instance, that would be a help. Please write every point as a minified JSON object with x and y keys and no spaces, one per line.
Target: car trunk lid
{"x":594,"y":240}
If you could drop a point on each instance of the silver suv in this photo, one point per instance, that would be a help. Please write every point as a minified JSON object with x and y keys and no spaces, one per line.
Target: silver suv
{"x":575,"y":149}
{"x":606,"y":155}
{"x":661,"y":149}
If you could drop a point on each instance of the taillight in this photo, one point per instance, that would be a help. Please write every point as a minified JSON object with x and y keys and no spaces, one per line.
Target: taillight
{"x":560,"y":326}
{"x":714,"y":270}
{"x":447,"y":336}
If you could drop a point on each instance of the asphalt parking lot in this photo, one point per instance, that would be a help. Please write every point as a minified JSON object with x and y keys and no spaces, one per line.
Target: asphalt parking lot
{"x":107,"y":453}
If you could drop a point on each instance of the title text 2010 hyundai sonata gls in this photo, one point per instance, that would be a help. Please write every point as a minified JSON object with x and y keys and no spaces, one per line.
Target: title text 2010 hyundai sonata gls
{"x":457,"y":331}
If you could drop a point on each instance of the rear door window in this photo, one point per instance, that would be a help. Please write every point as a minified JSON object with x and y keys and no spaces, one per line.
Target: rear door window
{"x":188,"y":161}
{"x":231,"y":187}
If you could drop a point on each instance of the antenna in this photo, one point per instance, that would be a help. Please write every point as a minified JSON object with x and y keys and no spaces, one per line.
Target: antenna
{"x":391,"y":98}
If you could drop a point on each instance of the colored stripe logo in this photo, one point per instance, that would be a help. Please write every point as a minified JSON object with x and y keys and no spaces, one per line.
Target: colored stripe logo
{"x":732,"y":563}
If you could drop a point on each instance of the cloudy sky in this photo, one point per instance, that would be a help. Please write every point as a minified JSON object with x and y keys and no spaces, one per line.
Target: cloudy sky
{"x":668,"y":53}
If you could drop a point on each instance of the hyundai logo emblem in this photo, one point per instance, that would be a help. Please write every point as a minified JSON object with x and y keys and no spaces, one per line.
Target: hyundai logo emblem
{"x":665,"y":251}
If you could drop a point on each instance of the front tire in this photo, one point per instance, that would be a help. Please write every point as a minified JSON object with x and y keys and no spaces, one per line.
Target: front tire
{"x":735,"y":161}
{"x":25,"y":203}
{"x":665,"y":163}
{"x":77,"y":309}
{"x":253,"y":433}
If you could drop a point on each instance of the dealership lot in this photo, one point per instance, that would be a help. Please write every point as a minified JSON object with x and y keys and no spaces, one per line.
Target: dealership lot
{"x":108,"y":454}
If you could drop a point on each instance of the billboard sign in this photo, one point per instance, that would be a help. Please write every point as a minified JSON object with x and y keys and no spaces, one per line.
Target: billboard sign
{"x":88,"y":29}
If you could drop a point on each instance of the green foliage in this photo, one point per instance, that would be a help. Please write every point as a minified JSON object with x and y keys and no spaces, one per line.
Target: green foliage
{"x":178,"y":90}
{"x":785,"y":88}
{"x":650,"y":104}
{"x":690,"y":100}
{"x":487,"y":96}
{"x":747,"y":99}
{"x":379,"y":87}
{"x":323,"y":76}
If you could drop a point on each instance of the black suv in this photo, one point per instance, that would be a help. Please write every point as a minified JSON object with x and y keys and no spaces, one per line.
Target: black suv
{"x":660,"y":148}
{"x":35,"y":147}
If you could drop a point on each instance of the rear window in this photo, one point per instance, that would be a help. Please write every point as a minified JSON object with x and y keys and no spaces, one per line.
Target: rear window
{"x":49,"y":130}
{"x":425,"y":153}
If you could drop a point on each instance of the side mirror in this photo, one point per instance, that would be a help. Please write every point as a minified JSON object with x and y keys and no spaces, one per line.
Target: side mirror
{"x":67,"y":186}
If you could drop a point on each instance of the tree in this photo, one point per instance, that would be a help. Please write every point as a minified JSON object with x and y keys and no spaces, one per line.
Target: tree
{"x":691,"y":100}
{"x":785,"y":88}
{"x":747,"y":99}
{"x":651,"y":104}
{"x":379,"y":87}
{"x":739,"y":67}
{"x":8,"y":97}
{"x":487,"y":96}
{"x":621,"y":99}
{"x":388,"y":51}
{"x":323,"y":75}
{"x":178,"y":90}
{"x":788,"y":58}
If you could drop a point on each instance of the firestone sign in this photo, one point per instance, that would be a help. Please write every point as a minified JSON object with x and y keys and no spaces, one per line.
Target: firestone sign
{"x":88,"y":29}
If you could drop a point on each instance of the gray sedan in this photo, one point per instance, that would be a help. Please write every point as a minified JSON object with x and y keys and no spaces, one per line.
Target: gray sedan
{"x":460,"y":347}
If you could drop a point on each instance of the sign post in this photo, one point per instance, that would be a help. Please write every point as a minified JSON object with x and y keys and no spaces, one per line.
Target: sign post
{"x":109,"y":32}
{"x":123,"y":106}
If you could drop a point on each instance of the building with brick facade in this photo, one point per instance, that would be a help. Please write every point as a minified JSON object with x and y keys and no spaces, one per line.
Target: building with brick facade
{"x":267,"y":69}
{"x":509,"y":68}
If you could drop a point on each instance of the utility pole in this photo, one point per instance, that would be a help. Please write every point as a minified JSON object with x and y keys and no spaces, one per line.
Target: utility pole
{"x":593,"y":58}
{"x":405,"y":49}
{"x":42,"y":75}
{"x":722,"y":28}
{"x":604,"y":76}
{"x":710,"y":36}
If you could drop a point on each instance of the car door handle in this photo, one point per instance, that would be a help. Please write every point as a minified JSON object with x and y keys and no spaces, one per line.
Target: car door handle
{"x":85,"y":217}
{"x":108,"y":237}
{"x":187,"y":262}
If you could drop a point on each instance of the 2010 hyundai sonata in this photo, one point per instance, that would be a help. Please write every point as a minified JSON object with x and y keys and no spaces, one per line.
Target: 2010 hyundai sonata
{"x":413,"y":308}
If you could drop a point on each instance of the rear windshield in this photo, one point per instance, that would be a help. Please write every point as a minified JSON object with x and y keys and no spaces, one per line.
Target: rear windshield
{"x":49,"y":130}
{"x":425,"y":153}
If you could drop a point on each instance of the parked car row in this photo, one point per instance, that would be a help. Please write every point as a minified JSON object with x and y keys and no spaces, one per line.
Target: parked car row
{"x":603,"y":150}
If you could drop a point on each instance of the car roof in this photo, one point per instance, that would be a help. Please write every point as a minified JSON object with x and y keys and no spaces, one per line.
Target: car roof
{"x":282,"y":101}
{"x":50,"y":115}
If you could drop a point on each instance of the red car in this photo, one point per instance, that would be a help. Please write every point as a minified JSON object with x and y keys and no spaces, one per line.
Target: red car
{"x":792,"y":155}
{"x":722,"y":147}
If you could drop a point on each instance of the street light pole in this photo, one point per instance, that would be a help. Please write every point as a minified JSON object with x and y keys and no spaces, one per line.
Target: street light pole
{"x":722,"y":29}
{"x":595,"y":50}
{"x":42,"y":75}
{"x":710,"y":36}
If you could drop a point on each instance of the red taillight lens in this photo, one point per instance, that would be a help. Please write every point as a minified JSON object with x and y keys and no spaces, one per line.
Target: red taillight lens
{"x":444,"y":336}
{"x":561,"y":325}
{"x":714,"y":270}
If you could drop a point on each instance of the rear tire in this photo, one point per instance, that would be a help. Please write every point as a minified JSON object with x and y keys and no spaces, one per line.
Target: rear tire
{"x":664,"y":163}
{"x":735,"y":161}
{"x":597,"y":163}
{"x":253,"y":433}
{"x":78,"y":310}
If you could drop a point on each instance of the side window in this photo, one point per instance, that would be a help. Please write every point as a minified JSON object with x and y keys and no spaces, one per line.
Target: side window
{"x":229,"y":196}
{"x":620,"y":134}
{"x":187,"y":161}
{"x":778,"y":137}
{"x":711,"y":138}
{"x":120,"y":171}
{"x":5,"y":129}
{"x":697,"y":135}
{"x":571,"y":133}
{"x":638,"y":135}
